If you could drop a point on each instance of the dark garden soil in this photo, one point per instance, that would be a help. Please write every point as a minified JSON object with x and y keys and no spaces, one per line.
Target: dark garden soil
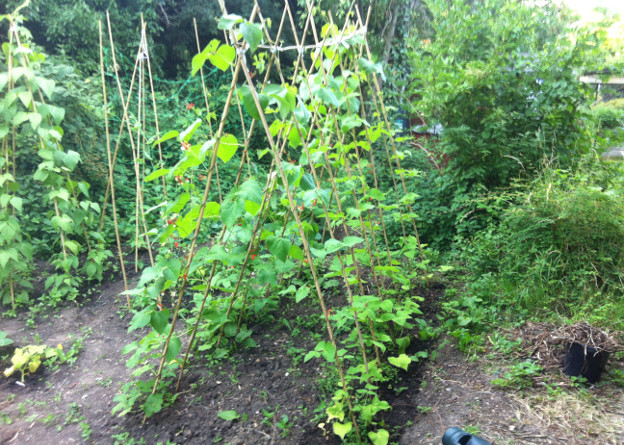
{"x":72,"y":404}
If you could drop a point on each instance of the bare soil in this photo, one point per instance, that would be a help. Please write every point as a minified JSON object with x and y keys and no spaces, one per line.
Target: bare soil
{"x":72,"y":404}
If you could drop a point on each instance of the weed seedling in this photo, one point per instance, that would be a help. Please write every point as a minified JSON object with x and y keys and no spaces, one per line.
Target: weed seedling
{"x":74,"y":415}
{"x":86,"y":430}
{"x":519,"y":376}
{"x":284,"y":425}
{"x":5,"y":419}
{"x":423,"y":409}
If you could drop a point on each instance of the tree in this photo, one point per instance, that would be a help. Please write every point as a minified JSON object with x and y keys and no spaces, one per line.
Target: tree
{"x":501,"y":77}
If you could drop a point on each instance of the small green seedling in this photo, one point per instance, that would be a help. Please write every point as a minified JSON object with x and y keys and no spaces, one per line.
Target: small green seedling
{"x":28,"y":359}
{"x":4,"y":340}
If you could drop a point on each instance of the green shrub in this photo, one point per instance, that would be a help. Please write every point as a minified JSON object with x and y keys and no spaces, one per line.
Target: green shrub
{"x":558,"y":246}
{"x":609,"y":115}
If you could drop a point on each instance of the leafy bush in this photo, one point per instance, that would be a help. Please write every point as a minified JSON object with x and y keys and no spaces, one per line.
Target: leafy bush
{"x":609,"y":117}
{"x":507,"y":97}
{"x":558,"y":245}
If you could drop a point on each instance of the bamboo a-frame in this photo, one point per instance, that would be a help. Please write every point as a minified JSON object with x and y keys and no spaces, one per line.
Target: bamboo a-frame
{"x":327,"y":171}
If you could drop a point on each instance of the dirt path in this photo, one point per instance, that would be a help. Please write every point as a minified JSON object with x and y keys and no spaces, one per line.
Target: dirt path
{"x":276,"y":395}
{"x":457,"y":392}
{"x":47,"y":409}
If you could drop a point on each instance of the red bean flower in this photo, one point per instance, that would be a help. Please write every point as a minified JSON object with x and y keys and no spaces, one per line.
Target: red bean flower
{"x":190,"y":106}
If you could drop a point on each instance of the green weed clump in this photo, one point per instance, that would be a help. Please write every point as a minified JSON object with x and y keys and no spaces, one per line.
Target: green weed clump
{"x":609,"y":114}
{"x":557,"y":249}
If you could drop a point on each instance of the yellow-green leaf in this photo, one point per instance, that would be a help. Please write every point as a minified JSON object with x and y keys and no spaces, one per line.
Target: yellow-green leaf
{"x":402,"y":361}
{"x":379,"y":438}
{"x":342,"y":429}
{"x":228,"y":415}
{"x":227,"y":147}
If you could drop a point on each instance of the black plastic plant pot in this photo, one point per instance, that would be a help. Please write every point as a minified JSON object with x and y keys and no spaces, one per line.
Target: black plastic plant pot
{"x":585,"y":361}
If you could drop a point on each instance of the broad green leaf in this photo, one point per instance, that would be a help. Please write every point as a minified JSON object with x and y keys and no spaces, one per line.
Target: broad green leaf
{"x":379,"y":438}
{"x":350,"y":121}
{"x":223,"y":58}
{"x":302,"y":114}
{"x":249,"y":103}
{"x":57,"y":113}
{"x":153,"y":404}
{"x":402,"y":361}
{"x":228,"y":415}
{"x":171,"y":270}
{"x":251,"y":190}
{"x":327,"y":350}
{"x":319,"y":253}
{"x":227,"y":147}
{"x":294,"y":138}
{"x":369,"y":411}
{"x":20,"y":118}
{"x":7,"y":255}
{"x":279,"y":247}
{"x":327,"y":96}
{"x":342,"y":429}
{"x":231,"y":210}
{"x":174,"y":348}
{"x":310,"y":355}
{"x":46,"y":85}
{"x":4,"y":340}
{"x":336,"y":411}
{"x":252,"y":33}
{"x":73,"y":246}
{"x":25,"y":98}
{"x":35,"y":119}
{"x":6,"y":177}
{"x":156,"y":174}
{"x":227,"y":21}
{"x":333,"y":245}
{"x":16,"y":202}
{"x":140,"y":320}
{"x":351,"y":241}
{"x":187,"y":225}
{"x":159,"y":320}
{"x":307,"y":182}
{"x":217,"y":253}
{"x":63,"y":222}
{"x":69,"y":159}
{"x":179,"y":204}
{"x":295,"y":252}
{"x":197,"y":63}
{"x":267,"y":276}
{"x":220,"y":56}
{"x":199,"y":60}
{"x":370,"y":67}
{"x":169,"y":135}
{"x":375,"y":194}
{"x":60,"y":194}
{"x":212,"y":209}
{"x":252,"y":207}
{"x":302,"y":292}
